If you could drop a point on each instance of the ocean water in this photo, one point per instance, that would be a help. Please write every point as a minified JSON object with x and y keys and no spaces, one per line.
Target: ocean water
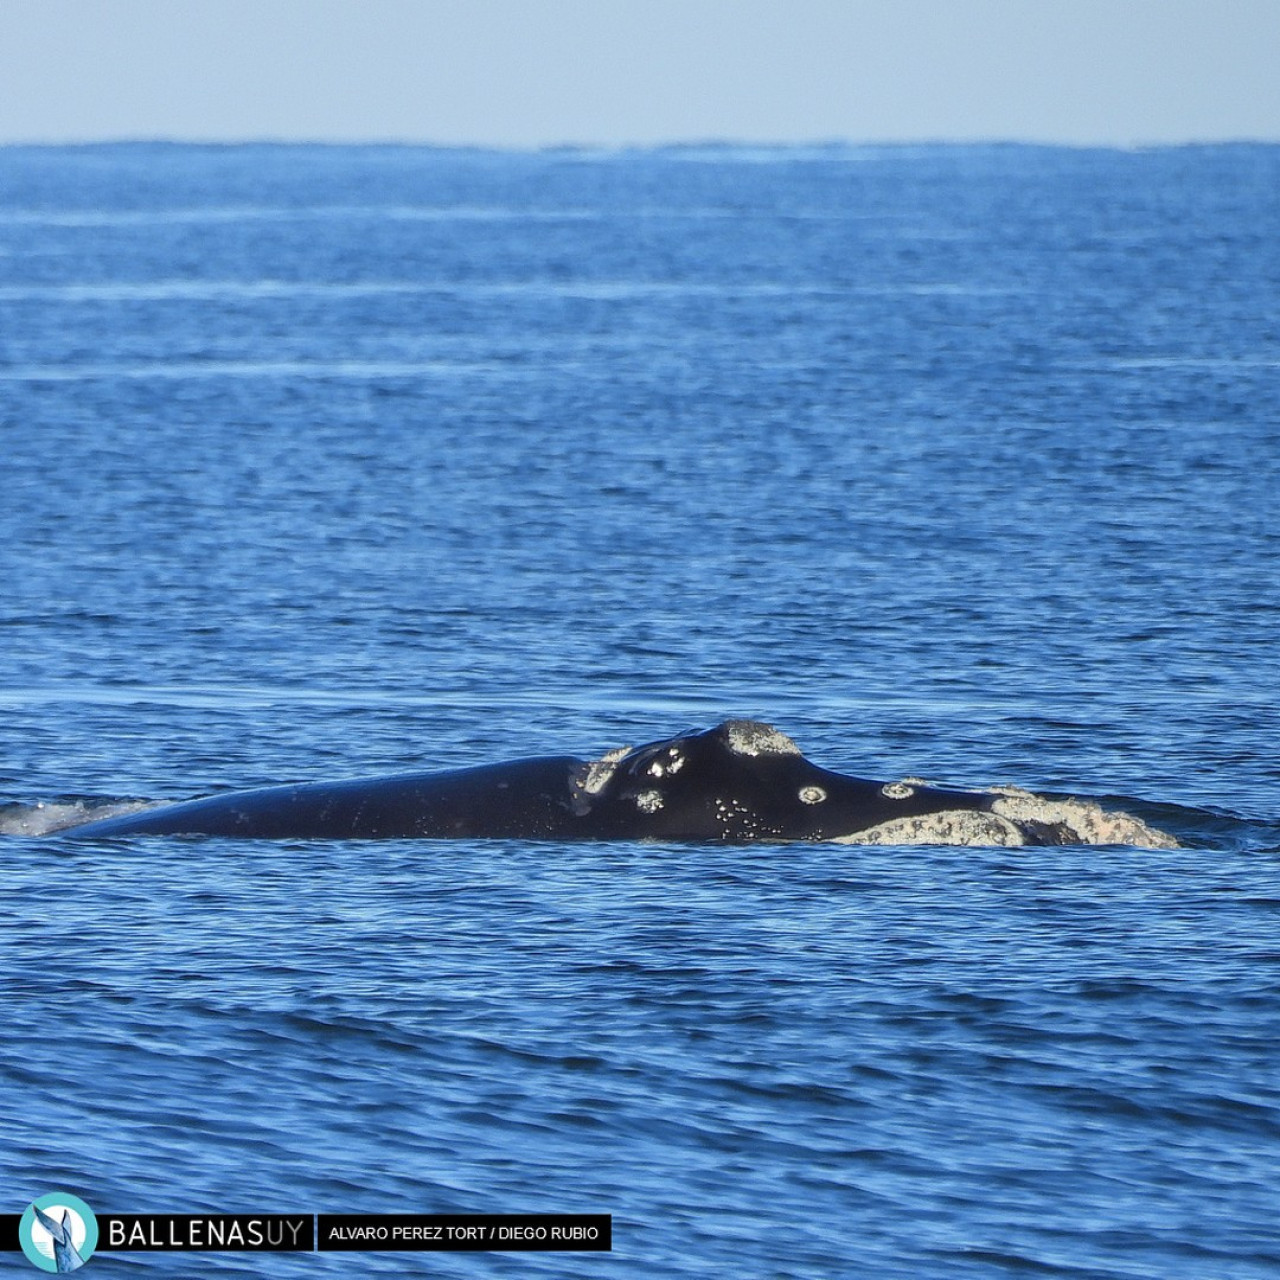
{"x":961,"y":462}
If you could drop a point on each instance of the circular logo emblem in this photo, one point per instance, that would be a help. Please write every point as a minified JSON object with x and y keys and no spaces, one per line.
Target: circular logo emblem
{"x":58,"y":1232}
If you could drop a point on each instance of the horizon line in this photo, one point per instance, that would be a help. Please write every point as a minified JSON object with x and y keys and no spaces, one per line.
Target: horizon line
{"x":692,"y":143}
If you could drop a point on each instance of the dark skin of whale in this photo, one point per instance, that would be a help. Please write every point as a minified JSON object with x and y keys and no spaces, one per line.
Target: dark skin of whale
{"x":737,"y":783}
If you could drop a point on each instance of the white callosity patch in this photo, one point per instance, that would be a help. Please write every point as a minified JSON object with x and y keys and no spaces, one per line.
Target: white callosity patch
{"x":1017,"y":818}
{"x":897,"y":790}
{"x":597,"y":773}
{"x":591,"y":779}
{"x":1090,"y":822}
{"x":649,"y":801}
{"x":952,"y":826}
{"x":671,"y":761}
{"x":812,"y":795}
{"x":752,"y":738}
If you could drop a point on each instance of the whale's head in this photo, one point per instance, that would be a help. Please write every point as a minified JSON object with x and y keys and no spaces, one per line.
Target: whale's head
{"x":745,"y":781}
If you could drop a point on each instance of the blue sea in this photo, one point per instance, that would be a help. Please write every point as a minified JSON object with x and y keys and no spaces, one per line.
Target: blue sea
{"x":953,"y":461}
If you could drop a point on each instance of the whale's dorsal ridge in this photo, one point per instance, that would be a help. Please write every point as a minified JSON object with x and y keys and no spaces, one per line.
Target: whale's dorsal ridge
{"x":755,"y":738}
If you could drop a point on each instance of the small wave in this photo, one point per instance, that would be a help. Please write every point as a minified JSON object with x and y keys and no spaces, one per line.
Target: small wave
{"x":46,"y":817}
{"x":178,"y":370}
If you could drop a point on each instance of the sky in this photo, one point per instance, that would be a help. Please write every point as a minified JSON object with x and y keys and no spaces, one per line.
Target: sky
{"x":535,"y":73}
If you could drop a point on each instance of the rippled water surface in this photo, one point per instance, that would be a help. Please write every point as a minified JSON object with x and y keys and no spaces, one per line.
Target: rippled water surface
{"x":960,"y":462}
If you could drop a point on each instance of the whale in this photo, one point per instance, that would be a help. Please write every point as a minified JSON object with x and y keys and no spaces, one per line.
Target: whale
{"x":741,"y":782}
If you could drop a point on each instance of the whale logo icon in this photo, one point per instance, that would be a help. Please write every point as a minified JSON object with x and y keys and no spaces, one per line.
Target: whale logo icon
{"x":58,"y":1232}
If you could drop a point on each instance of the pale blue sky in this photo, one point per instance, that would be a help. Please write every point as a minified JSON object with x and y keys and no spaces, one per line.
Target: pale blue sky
{"x":538,"y":72}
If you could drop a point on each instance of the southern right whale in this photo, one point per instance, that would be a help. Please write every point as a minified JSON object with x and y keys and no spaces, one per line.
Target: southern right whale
{"x":740,"y":782}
